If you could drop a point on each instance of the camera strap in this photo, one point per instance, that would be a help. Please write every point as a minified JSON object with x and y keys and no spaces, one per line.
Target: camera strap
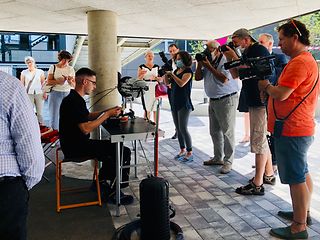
{"x":217,"y":61}
{"x":285,"y":118}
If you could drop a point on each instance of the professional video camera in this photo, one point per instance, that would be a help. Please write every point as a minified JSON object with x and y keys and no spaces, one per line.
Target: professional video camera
{"x":259,"y":67}
{"x":203,"y":55}
{"x":223,"y":48}
{"x":166,"y":67}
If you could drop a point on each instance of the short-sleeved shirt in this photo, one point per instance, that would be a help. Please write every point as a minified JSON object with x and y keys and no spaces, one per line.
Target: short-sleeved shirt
{"x":180,"y":97}
{"x":250,"y":86}
{"x":151,"y":72}
{"x":215,"y":88}
{"x":35,"y":85}
{"x":60,"y":72}
{"x":73,"y":111}
{"x":299,"y":74}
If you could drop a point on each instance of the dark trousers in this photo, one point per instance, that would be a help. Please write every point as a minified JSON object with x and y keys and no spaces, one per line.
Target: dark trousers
{"x":105,"y":152}
{"x":14,"y":197}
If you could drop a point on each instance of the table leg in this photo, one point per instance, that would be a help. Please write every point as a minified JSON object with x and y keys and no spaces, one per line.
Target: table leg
{"x":118,"y":180}
{"x":135,"y":158}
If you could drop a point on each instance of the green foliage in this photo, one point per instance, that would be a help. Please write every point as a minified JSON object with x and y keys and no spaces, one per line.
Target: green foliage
{"x":196,"y":47}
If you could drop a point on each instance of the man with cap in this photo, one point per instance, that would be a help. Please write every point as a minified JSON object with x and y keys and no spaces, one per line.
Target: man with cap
{"x":250,"y":48}
{"x":222,"y":90}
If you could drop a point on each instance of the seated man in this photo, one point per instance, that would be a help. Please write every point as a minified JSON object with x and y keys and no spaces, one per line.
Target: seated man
{"x":76,"y":123}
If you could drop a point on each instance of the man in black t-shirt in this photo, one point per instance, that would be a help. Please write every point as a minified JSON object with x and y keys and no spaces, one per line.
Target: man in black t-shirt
{"x":249,"y":47}
{"x":75,"y":125}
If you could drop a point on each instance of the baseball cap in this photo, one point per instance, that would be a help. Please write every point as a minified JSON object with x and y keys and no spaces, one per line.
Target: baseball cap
{"x":242,"y":33}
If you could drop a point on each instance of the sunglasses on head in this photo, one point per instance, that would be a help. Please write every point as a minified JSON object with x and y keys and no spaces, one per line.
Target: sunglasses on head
{"x":295,"y":26}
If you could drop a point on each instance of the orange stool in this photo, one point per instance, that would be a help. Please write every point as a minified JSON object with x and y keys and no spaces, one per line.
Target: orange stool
{"x":59,"y":190}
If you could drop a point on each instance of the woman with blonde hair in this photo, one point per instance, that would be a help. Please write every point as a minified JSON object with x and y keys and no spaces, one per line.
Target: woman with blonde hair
{"x":149,"y":73}
{"x":33,"y":79}
{"x":61,"y":79}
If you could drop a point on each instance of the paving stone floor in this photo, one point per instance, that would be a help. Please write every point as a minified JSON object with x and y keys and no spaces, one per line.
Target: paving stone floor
{"x":206,"y":204}
{"x":205,"y":200}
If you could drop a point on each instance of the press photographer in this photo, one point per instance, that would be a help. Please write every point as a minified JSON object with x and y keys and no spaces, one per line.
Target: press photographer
{"x":222,"y":90}
{"x":250,"y":49}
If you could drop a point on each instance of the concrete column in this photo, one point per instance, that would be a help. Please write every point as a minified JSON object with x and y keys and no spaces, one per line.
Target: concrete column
{"x":103,"y":56}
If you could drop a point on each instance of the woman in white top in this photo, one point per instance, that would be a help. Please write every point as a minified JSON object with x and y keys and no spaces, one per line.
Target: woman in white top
{"x":149,"y":73}
{"x":61,"y":78}
{"x":33,"y":79}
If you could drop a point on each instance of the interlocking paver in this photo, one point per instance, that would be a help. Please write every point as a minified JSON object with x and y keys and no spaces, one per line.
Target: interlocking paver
{"x":206,"y":204}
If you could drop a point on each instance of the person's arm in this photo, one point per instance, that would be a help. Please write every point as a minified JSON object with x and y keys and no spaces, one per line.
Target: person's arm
{"x":218,"y":75}
{"x":26,"y":137}
{"x":22,"y":79}
{"x":199,"y":74}
{"x":280,"y":93}
{"x":89,"y":126}
{"x":141,"y":73}
{"x":180,"y":81}
{"x":232,"y":56}
{"x":51,"y":81}
{"x":42,"y":78}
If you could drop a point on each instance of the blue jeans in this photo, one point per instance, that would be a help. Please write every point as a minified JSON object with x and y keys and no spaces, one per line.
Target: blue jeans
{"x":55,"y":99}
{"x":291,"y":155}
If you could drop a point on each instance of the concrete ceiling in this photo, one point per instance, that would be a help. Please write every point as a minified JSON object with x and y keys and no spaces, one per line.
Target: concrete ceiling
{"x":167,"y":19}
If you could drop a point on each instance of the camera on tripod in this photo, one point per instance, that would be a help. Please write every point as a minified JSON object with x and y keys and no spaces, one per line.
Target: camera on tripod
{"x":203,"y":55}
{"x":166,"y":67}
{"x":259,"y":67}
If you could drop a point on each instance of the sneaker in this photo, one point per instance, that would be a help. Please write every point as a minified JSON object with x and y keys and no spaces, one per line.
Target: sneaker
{"x":124,"y":198}
{"x":251,"y":189}
{"x":289,"y":216}
{"x":180,"y":156}
{"x":213,"y":162}
{"x":187,"y":159}
{"x":226,"y":168}
{"x":267,"y":179}
{"x":285,"y":233}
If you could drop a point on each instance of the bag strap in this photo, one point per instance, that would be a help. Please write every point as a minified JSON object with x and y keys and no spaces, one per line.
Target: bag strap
{"x":285,"y":118}
{"x":30,"y":82}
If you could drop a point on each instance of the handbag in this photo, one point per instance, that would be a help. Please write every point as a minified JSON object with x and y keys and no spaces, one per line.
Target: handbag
{"x":48,"y":88}
{"x":161,"y":90}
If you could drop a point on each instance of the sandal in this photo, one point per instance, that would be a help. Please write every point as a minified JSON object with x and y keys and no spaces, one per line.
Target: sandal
{"x":267,"y":180}
{"x":251,"y":189}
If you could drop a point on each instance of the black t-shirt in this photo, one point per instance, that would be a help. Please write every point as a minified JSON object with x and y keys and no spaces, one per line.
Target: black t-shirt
{"x":73,"y":110}
{"x":250,"y":86}
{"x":180,"y":96}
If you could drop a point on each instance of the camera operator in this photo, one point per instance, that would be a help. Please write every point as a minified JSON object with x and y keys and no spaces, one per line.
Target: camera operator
{"x":243,"y":40}
{"x":222,"y":90}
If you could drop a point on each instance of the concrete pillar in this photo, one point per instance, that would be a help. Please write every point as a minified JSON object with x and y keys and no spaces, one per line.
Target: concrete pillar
{"x":103,"y":56}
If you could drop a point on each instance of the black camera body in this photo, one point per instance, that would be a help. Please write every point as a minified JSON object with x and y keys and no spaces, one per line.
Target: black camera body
{"x":166,"y":67}
{"x":259,"y":67}
{"x":223,"y":48}
{"x":203,"y":55}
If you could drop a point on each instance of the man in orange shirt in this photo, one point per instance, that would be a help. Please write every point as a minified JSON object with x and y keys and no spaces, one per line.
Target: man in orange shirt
{"x":291,"y":109}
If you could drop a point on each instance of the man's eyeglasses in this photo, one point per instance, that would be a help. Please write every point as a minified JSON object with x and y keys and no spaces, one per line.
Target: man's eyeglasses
{"x":94,"y":83}
{"x":295,"y":26}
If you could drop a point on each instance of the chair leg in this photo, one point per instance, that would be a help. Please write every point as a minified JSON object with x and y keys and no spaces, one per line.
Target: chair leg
{"x":96,"y":177}
{"x":58,"y":179}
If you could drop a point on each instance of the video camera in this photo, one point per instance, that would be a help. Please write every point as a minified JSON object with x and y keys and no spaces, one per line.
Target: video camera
{"x":259,"y":67}
{"x":166,"y":67}
{"x":203,"y":55}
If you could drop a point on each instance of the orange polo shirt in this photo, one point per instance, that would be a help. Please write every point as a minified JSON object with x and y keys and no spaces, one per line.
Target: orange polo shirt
{"x":299,"y":74}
